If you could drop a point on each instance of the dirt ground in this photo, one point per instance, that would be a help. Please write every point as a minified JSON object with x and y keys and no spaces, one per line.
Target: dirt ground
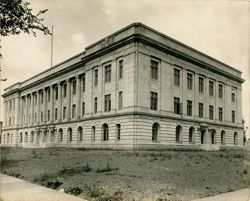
{"x":104,"y":175}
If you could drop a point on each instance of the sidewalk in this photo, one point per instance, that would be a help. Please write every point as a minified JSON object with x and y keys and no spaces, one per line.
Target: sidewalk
{"x":13,"y":189}
{"x":240,"y":195}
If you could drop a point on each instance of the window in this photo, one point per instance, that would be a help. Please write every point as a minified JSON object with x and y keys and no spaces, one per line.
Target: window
{"x":176,"y":77}
{"x":96,"y":77}
{"x":93,"y":134}
{"x":233,"y":116}
{"x":56,"y":114}
{"x":213,"y":137}
{"x":48,"y":95}
{"x":220,"y":113}
{"x":69,"y":135}
{"x":189,"y":108}
{"x":118,"y":130}
{"x":154,"y":70}
{"x":211,"y":112}
{"x":64,"y":90}
{"x":107,"y":73}
{"x":83,"y":82}
{"x":74,"y":87}
{"x":235,"y":138}
{"x":64,"y":112}
{"x":211,"y":88}
{"x":41,"y":116}
{"x":95,"y":105}
{"x":201,"y":84}
{"x":35,"y":97}
{"x":107,"y":103}
{"x":176,"y":105}
{"x":10,"y":105}
{"x":56,"y":92}
{"x":73,"y":110}
{"x":80,"y":134}
{"x":60,"y":135}
{"x":10,"y":121}
{"x":178,"y":134}
{"x":105,"y":130}
{"x":189,"y":81}
{"x":155,"y":129}
{"x":153,"y":104}
{"x":201,"y":110}
{"x":120,"y":69}
{"x":220,"y":90}
{"x":41,"y":97}
{"x":48,"y":115}
{"x":35,"y":117}
{"x":222,"y":137}
{"x":83,"y":108}
{"x":191,"y":135}
{"x":233,"y":97}
{"x":120,"y":100}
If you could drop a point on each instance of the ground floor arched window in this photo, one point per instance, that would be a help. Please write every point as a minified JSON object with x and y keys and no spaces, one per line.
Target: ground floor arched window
{"x":60,"y":135}
{"x":203,"y":136}
{"x":213,"y":137}
{"x":32,"y":136}
{"x":69,"y":134}
{"x":155,"y":132}
{"x":222,"y":137}
{"x":235,"y":138}
{"x":52,"y":136}
{"x":21,"y":137}
{"x":105,"y":130}
{"x":26,"y":137}
{"x":191,"y":135}
{"x":178,"y":134}
{"x":80,"y":134}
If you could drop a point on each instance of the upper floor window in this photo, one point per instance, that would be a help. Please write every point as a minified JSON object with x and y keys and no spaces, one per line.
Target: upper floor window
{"x":154,"y":70}
{"x":95,"y":105}
{"x":41,"y":96}
{"x":189,"y":81}
{"x":201,"y":84}
{"x":211,"y":112}
{"x":120,"y":100}
{"x":211,"y":88}
{"x":177,"y":105}
{"x":74,"y":87}
{"x":64,"y":112}
{"x":55,"y":113}
{"x":83,"y":108}
{"x":153,"y":102}
{"x":107,"y":73}
{"x":233,"y":97}
{"x":48,"y":95}
{"x":233,"y":116}
{"x":176,"y":77}
{"x":73,"y":110}
{"x":120,"y":69}
{"x":56,"y":92}
{"x":220,"y":90}
{"x":189,"y":108}
{"x":96,"y":77}
{"x":64,"y":90}
{"x":107,"y":103}
{"x":83,"y":82}
{"x":220,"y":113}
{"x":201,"y":110}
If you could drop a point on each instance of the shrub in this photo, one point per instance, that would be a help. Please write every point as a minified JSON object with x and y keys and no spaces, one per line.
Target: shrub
{"x":245,"y":171}
{"x":74,"y":191}
{"x":75,"y":170}
{"x":54,"y":184}
{"x":106,"y":169}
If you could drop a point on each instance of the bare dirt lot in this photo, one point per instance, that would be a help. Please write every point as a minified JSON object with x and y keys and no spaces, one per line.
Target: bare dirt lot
{"x":122,"y":175}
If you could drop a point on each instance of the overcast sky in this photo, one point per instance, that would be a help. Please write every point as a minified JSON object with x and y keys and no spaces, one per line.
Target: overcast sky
{"x":220,"y":29}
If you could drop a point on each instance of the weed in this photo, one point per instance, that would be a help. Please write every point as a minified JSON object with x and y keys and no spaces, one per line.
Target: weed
{"x":34,"y":154}
{"x":55,"y":184}
{"x":74,"y":191}
{"x":75,"y":170}
{"x":106,"y":169}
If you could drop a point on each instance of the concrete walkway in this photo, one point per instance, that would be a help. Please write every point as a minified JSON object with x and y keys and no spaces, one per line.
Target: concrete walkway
{"x":13,"y":189}
{"x":240,"y":195}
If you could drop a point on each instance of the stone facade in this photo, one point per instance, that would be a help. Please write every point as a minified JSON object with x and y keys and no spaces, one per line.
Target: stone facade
{"x":134,"y":89}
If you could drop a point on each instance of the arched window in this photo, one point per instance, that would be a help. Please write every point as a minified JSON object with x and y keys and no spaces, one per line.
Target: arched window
{"x":45,"y":136}
{"x":213,"y":137}
{"x":4,"y":138}
{"x":222,"y":137}
{"x":21,"y":138}
{"x":8,"y":138}
{"x":155,"y":130}
{"x":235,"y":138}
{"x":105,"y":130}
{"x":60,"y":135}
{"x":69,"y":134}
{"x":26,"y":137}
{"x":11,"y":138}
{"x":203,"y":136}
{"x":32,"y":136}
{"x":191,"y":135}
{"x":52,"y":136}
{"x":178,"y":134}
{"x":37,"y":137}
{"x":80,"y":134}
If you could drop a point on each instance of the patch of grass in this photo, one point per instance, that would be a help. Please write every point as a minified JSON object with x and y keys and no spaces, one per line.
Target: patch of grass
{"x":75,"y":170}
{"x":34,"y":154}
{"x":74,"y":190}
{"x":107,"y":168}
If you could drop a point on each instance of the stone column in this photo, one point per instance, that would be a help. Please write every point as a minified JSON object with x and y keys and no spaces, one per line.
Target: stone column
{"x":38,"y":108}
{"x":17,"y":112}
{"x":32,"y":108}
{"x":51,"y":104}
{"x":68,"y":99}
{"x":5,"y":114}
{"x":59,"y":108}
{"x":78,"y":102}
{"x":21,"y":111}
{"x":44,"y":105}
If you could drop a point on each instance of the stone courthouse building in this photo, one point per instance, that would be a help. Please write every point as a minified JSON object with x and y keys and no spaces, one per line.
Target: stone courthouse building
{"x":136,"y":89}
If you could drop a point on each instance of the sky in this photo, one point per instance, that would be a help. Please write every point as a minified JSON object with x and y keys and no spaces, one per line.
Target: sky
{"x":220,"y":29}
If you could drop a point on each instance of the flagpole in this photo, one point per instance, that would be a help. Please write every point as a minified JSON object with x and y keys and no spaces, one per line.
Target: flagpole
{"x":51,"y":56}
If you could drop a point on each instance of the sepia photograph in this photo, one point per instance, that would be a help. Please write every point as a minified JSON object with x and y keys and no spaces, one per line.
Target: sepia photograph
{"x":121,"y":100}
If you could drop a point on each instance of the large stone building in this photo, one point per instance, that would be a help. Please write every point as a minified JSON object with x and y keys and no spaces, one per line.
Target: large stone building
{"x":136,"y":88}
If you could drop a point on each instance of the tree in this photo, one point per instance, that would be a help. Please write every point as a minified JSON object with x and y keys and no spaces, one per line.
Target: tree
{"x":17,"y":17}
